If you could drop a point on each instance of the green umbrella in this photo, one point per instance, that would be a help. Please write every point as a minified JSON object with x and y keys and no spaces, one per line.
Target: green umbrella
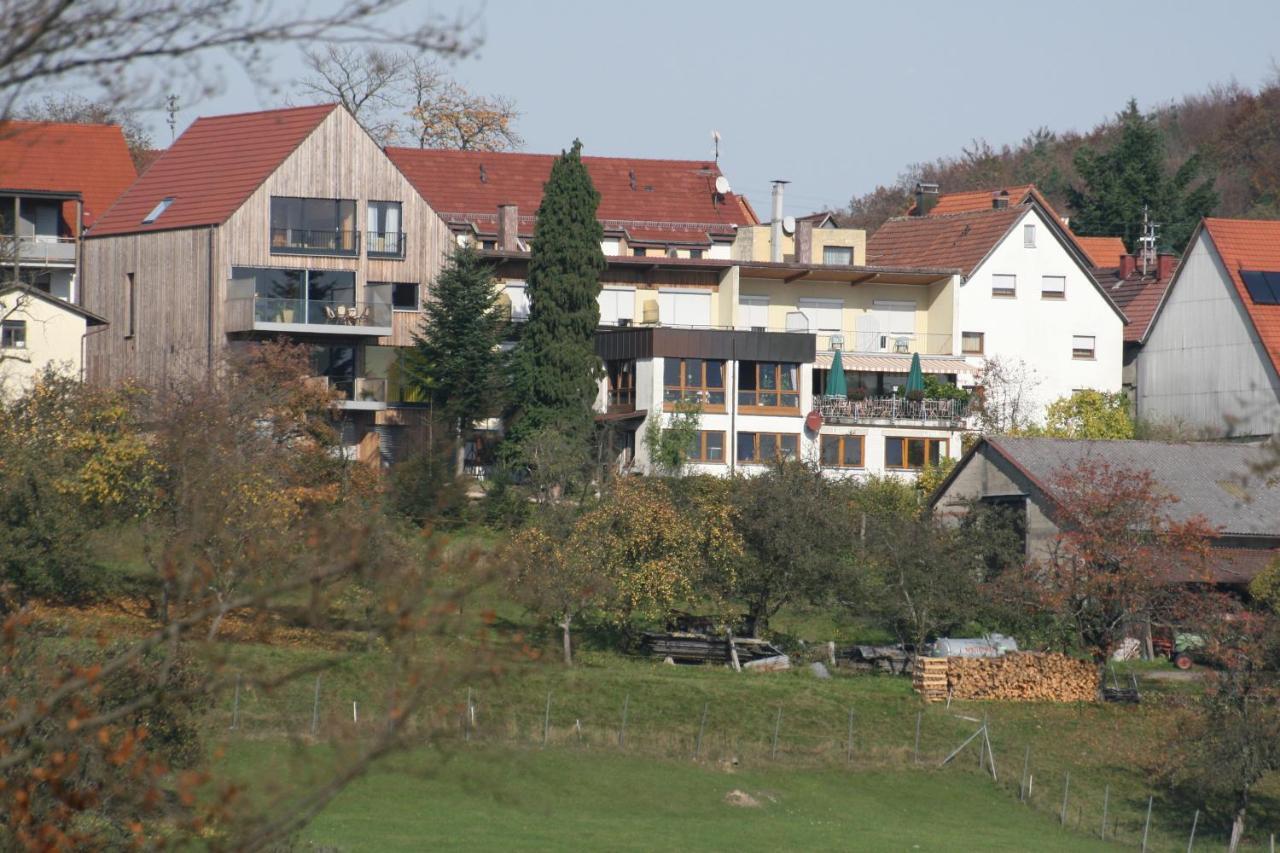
{"x":835,"y":378}
{"x":915,"y":379}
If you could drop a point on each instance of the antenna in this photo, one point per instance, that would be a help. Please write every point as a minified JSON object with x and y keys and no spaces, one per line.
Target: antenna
{"x":171,"y":106}
{"x":715,"y":141}
{"x":1147,"y":242}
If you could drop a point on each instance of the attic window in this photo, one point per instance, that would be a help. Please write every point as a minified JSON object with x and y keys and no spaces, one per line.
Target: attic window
{"x":157,"y":210}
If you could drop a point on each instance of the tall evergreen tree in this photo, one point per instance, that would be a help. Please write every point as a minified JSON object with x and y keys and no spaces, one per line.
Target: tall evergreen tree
{"x":456,"y":361}
{"x":556,"y":370}
{"x":1131,"y":174}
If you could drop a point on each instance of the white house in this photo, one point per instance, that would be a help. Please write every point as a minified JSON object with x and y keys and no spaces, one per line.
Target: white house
{"x":39,"y":331}
{"x":1211,"y":360}
{"x":1028,"y":295}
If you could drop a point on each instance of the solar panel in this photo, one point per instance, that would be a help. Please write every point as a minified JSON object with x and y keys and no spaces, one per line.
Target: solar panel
{"x":1263,"y":287}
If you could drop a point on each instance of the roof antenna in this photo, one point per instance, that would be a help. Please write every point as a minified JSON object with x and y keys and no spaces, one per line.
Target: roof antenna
{"x":1147,"y":241}
{"x":484,"y":179}
{"x":172,"y":109}
{"x":631,"y":176}
{"x":715,"y":141}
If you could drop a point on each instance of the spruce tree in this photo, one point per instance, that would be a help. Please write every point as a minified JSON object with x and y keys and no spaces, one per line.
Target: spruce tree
{"x":456,"y":361}
{"x":555,"y":369}
{"x":1131,"y":174}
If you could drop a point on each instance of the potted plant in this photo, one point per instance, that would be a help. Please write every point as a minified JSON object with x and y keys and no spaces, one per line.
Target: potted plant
{"x":858,"y":393}
{"x":915,"y":395}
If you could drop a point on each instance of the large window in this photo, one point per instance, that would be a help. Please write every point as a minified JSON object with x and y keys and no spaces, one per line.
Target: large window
{"x":753,"y":312}
{"x":386,"y":234}
{"x":765,"y":447}
{"x":13,"y":334}
{"x":913,"y":453}
{"x":308,"y":296}
{"x":841,"y":255}
{"x":693,"y":380}
{"x":617,"y":306}
{"x":842,"y":451}
{"x":769,"y":385}
{"x":337,"y":364}
{"x":707,"y":447}
{"x":315,"y":226}
{"x":685,"y":307}
{"x":824,"y":315}
{"x":404,"y":294}
{"x":622,"y":385}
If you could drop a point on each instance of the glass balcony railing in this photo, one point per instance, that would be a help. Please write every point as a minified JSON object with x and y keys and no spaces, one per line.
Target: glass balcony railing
{"x":314,"y":312}
{"x":299,"y":241}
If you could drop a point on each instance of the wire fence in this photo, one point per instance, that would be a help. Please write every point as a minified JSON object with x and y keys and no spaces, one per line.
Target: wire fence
{"x":865,"y":735}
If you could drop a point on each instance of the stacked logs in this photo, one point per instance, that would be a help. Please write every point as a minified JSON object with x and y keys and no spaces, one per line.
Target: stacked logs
{"x":1018,"y":676}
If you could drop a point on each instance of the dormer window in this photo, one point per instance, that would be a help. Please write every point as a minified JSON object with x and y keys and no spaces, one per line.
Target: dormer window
{"x":160,"y":208}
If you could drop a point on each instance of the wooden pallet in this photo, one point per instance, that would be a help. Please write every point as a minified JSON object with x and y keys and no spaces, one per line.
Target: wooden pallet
{"x":929,"y":678}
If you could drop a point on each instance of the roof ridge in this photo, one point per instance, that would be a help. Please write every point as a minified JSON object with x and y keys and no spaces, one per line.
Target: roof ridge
{"x":959,"y":213}
{"x":60,"y":124}
{"x":473,"y":153}
{"x":220,"y":116}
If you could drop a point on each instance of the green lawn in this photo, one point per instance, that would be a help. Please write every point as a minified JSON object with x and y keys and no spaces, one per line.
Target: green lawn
{"x":504,"y":799}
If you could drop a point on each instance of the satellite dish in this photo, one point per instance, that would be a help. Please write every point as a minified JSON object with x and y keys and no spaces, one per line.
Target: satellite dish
{"x":722,"y":185}
{"x":788,"y":225}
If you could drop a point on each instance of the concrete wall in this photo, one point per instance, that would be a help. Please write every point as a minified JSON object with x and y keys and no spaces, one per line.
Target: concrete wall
{"x":1203,"y":364}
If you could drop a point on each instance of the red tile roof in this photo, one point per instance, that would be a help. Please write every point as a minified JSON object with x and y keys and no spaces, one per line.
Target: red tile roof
{"x":468,"y":186}
{"x":91,"y":159}
{"x":1104,"y":252}
{"x":969,"y":201}
{"x":1251,"y":244}
{"x":212,"y":169}
{"x":955,"y":240}
{"x":1138,"y":298}
{"x":664,"y":236}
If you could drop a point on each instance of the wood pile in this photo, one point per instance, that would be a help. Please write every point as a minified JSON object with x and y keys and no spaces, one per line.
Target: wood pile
{"x":1024,"y":676}
{"x":690,"y":647}
{"x":929,"y":677}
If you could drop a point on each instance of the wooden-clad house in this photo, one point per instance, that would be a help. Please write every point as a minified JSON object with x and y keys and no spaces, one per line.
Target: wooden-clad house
{"x":286,"y":223}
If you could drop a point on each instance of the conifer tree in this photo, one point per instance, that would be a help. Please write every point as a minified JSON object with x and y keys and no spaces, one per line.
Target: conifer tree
{"x":556,"y":370}
{"x":456,"y":361}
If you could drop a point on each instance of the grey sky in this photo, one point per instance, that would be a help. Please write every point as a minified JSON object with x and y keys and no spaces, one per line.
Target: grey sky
{"x":836,"y":97}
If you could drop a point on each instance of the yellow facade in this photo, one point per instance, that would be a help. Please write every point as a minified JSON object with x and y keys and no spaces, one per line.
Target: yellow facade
{"x":753,"y":244}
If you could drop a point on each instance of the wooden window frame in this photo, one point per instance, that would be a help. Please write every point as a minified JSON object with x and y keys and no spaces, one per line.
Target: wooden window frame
{"x":982,"y":343}
{"x":700,"y":392}
{"x":842,"y":439}
{"x":757,"y":409}
{"x":1053,"y":294}
{"x":1079,"y":354}
{"x":701,"y":440}
{"x":945,"y":446}
{"x":622,"y":397}
{"x":1004,"y":292}
{"x":755,"y":458}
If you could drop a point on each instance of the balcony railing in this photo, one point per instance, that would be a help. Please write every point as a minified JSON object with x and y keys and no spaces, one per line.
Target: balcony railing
{"x":901,"y":343}
{"x":41,"y":248}
{"x":355,"y":391}
{"x":299,"y":241}
{"x":308,"y":315}
{"x":385,"y":244}
{"x":891,"y":409}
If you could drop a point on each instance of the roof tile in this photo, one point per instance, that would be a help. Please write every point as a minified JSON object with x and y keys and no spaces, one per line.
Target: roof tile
{"x":955,"y":240}
{"x":1251,"y":244}
{"x":92,"y":159}
{"x":1104,"y":252}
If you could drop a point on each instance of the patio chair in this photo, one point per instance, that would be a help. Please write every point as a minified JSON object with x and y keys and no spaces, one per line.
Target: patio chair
{"x":330,"y":314}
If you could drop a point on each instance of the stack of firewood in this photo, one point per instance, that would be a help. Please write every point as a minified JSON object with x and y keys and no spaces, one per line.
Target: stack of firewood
{"x":1028,"y":676}
{"x":929,"y":677}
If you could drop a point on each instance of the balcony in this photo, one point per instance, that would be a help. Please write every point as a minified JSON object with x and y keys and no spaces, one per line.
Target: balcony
{"x":359,"y":393}
{"x":892,"y":410}
{"x":42,"y":250}
{"x":299,"y":241}
{"x":889,"y":343}
{"x":385,"y":244}
{"x":308,"y":316}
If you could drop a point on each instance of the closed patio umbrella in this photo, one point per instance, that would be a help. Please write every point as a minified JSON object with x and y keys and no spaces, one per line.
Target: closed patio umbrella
{"x":915,"y":379}
{"x":835,"y":379}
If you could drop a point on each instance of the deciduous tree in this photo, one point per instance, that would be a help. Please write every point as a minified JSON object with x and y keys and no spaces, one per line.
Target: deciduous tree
{"x":1089,"y":414}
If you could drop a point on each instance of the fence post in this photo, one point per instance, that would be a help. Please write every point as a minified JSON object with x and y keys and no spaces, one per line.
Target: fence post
{"x":702,"y":726}
{"x":1106,"y":796}
{"x":1192,"y":840}
{"x":546,"y":720}
{"x":848,"y":753}
{"x":622,"y":732}
{"x":1022,"y":784}
{"x":777,"y":724}
{"x":315,"y":709}
{"x":355,"y":712}
{"x":919,"y":715}
{"x":466,"y":719}
{"x":235,"y":707}
{"x":1066,"y":789}
{"x":1147,"y":826}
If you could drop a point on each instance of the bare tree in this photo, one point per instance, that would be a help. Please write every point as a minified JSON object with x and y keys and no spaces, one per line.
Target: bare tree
{"x":368,"y":82}
{"x":129,"y":48}
{"x":1005,"y":399}
{"x":77,"y":109}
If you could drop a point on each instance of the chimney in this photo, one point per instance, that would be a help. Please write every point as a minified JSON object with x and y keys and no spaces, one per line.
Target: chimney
{"x":508,"y":227}
{"x":1164,"y":266}
{"x":1000,"y":200}
{"x":926,"y":198}
{"x":1128,"y":263}
{"x":804,"y":241}
{"x":775,"y":230}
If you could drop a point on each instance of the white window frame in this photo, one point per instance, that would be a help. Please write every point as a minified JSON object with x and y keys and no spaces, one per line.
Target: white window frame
{"x":623,"y":300}
{"x":667,"y":299}
{"x":893,"y":309}
{"x":518,"y":295}
{"x":997,"y":291}
{"x":16,"y":333}
{"x":1047,"y":293}
{"x":819,"y":313}
{"x":748,"y":305}
{"x":1081,"y":343}
{"x":1028,"y":235}
{"x":841,"y":249}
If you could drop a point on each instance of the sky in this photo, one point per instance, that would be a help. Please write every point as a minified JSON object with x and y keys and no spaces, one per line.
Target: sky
{"x":834,"y":97}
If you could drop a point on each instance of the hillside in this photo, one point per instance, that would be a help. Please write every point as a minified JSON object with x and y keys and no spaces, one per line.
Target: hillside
{"x":1234,"y":130}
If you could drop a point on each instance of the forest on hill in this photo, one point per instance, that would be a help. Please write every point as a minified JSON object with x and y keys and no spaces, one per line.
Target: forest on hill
{"x":1214,"y":153}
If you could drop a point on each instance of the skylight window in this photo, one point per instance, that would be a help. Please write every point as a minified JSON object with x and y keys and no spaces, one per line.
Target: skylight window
{"x":157,"y":210}
{"x":1263,"y":286}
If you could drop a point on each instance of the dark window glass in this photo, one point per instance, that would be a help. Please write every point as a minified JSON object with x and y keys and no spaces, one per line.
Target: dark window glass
{"x":852,"y":451}
{"x":768,"y":446}
{"x":830,"y":451}
{"x":789,"y":446}
{"x":935,"y":452}
{"x":915,"y":452}
{"x":746,"y":446}
{"x":893,"y":453}
{"x":693,"y":372}
{"x":671,"y":371}
{"x":715,"y":375}
{"x":715,"y":446}
{"x":404,"y":296}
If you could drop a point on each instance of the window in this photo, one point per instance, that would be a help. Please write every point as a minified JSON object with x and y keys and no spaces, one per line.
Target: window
{"x":685,"y":307}
{"x":1083,"y":346}
{"x":693,"y":380}
{"x":842,"y":451}
{"x":768,"y":385}
{"x":1053,"y":287}
{"x":315,"y":226}
{"x":695,"y":253}
{"x":707,"y":447}
{"x":753,"y":312}
{"x":622,"y":385}
{"x":839,"y":255}
{"x":404,"y":296}
{"x":324,"y":297}
{"x":1004,"y":285}
{"x":824,"y":315}
{"x":640,"y":252}
{"x":386,"y":232}
{"x":971,"y":343}
{"x":912,"y":453}
{"x":518,"y":298}
{"x":1029,"y":235}
{"x":488,"y":245}
{"x":765,"y":447}
{"x":13,"y":334}
{"x":617,"y":306}
{"x":161,"y":207}
{"x":895,"y":319}
{"x":131,"y":304}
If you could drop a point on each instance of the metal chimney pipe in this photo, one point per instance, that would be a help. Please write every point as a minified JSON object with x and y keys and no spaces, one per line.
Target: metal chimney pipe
{"x":775,"y":235}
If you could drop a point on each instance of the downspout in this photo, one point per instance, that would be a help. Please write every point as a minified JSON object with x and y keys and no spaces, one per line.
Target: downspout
{"x":209,"y":319}
{"x":733,"y":405}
